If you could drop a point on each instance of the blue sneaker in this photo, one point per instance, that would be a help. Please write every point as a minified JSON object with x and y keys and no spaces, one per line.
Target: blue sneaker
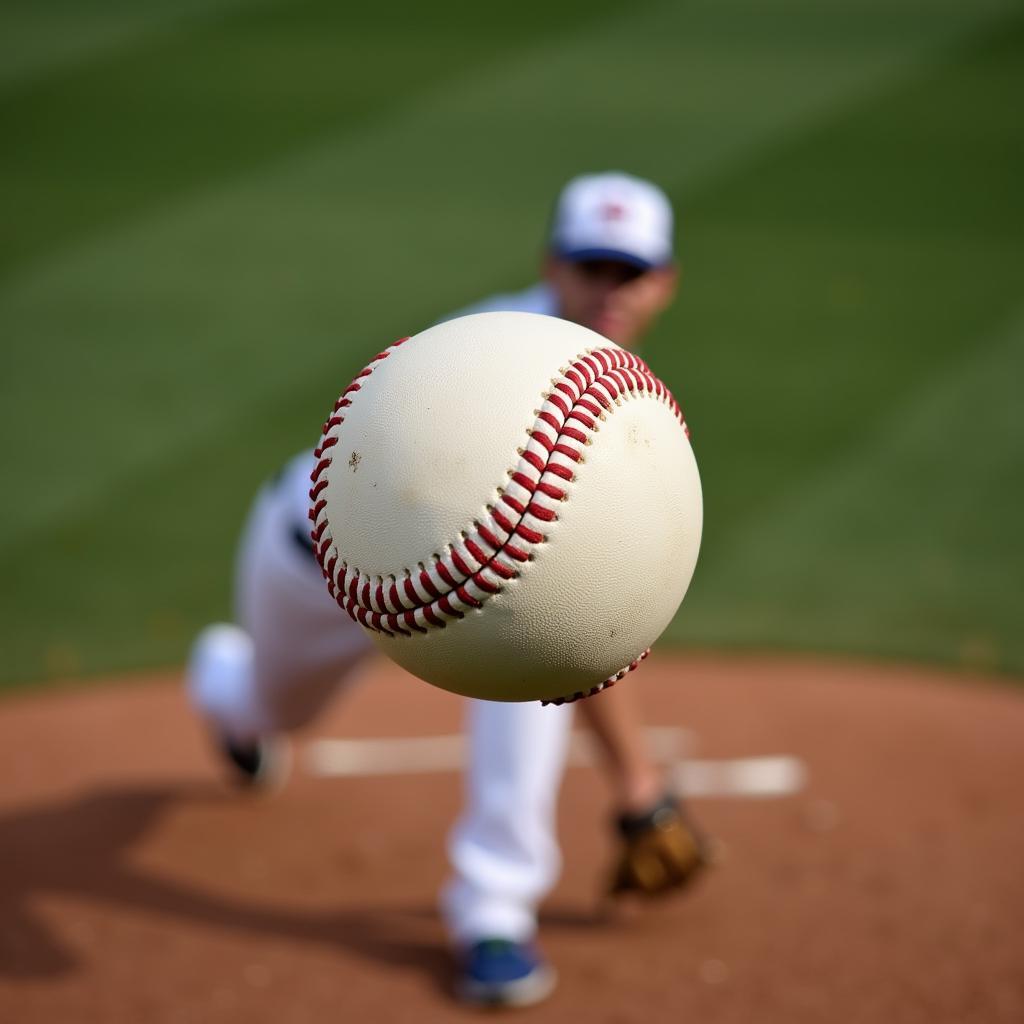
{"x":499,"y":972}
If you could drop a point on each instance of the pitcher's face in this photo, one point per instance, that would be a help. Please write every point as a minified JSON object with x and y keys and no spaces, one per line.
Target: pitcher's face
{"x":616,"y":299}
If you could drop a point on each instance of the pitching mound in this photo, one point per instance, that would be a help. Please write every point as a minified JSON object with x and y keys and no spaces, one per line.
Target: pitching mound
{"x":870,"y":842}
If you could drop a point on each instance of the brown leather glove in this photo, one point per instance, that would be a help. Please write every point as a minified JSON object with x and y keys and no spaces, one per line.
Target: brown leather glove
{"x":661,"y":851}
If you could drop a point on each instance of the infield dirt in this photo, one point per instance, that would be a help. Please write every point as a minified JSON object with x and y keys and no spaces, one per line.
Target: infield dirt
{"x":134,"y":886}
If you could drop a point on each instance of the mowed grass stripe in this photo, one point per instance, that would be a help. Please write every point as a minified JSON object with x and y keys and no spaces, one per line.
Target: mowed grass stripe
{"x":174,"y":325}
{"x":102,"y":142}
{"x":885,"y":254}
{"x":186,"y":340}
{"x":99,"y":145}
{"x":40,"y":37}
{"x":876,"y":248}
{"x":908,"y":547}
{"x":170,"y":330}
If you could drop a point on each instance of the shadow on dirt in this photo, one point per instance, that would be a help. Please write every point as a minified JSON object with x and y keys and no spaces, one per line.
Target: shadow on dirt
{"x":79,"y":848}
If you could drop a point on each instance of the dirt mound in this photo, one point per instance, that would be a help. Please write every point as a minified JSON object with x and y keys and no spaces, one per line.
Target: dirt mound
{"x":136,"y":887}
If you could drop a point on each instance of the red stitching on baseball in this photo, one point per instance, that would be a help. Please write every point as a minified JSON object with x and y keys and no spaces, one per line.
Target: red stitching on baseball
{"x":524,"y":481}
{"x":506,"y":572}
{"x":488,"y":538}
{"x":576,"y":435}
{"x":561,"y":449}
{"x":466,"y":597}
{"x":484,"y":584}
{"x":582,"y":417}
{"x":606,"y":685}
{"x":533,"y":536}
{"x":410,"y":621}
{"x":563,"y":407}
{"x":377,"y":623}
{"x":539,"y":435}
{"x":427,"y":585}
{"x":393,"y":625}
{"x":545,"y":515}
{"x":476,"y":551}
{"x":550,"y":490}
{"x":433,"y":619}
{"x":550,"y":420}
{"x":535,"y":460}
{"x":445,"y":605}
{"x":587,"y":391}
{"x":517,"y":506}
{"x":460,"y":563}
{"x":500,"y":519}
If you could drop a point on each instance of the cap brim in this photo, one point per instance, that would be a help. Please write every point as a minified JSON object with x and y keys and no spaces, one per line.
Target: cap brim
{"x":614,"y":255}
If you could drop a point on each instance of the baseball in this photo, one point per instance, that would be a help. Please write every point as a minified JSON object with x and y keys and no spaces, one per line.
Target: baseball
{"x":509,"y":504}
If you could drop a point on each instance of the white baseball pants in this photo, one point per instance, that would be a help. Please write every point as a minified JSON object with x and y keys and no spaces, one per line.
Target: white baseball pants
{"x":291,"y":652}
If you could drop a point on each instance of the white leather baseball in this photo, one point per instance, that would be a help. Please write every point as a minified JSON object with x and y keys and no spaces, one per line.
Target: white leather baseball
{"x":510,"y":505}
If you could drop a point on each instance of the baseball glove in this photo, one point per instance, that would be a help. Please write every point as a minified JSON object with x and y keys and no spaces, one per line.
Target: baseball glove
{"x":661,"y":851}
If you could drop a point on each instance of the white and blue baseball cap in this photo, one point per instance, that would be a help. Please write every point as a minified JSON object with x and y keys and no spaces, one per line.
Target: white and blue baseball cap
{"x":613,"y":216}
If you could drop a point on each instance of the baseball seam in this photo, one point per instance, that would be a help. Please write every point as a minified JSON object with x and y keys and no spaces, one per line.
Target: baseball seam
{"x":496,"y":547}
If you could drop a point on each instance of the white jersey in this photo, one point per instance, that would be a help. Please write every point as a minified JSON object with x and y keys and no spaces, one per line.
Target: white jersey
{"x":294,"y":477}
{"x":537,"y":299}
{"x":292,"y":483}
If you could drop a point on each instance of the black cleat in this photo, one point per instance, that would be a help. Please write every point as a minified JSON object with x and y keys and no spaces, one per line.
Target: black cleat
{"x":259,"y":764}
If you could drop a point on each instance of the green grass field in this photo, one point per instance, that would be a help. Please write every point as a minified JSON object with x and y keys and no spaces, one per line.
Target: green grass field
{"x":214,"y":213}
